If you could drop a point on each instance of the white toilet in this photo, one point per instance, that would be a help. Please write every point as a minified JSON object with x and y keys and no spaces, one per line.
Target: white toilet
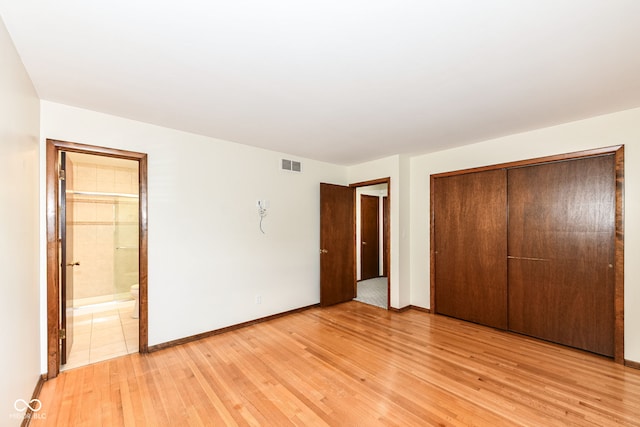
{"x":135,"y":293}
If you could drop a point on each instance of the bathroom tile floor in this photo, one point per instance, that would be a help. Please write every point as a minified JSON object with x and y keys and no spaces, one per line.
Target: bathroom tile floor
{"x":101,"y":332}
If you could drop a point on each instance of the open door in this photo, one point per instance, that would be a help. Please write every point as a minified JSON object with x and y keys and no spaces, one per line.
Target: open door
{"x":369,"y":236}
{"x":56,"y":266}
{"x":337,"y":244}
{"x":67,"y":261}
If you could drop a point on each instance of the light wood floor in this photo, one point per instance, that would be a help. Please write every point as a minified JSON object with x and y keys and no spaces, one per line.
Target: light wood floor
{"x":349,"y":365}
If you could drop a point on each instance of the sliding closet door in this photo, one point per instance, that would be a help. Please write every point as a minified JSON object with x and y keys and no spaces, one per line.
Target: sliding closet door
{"x":470,"y":227}
{"x":561,"y":252}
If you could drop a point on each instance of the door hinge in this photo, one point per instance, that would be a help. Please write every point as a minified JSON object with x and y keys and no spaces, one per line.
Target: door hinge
{"x":63,"y":334}
{"x":61,"y":174}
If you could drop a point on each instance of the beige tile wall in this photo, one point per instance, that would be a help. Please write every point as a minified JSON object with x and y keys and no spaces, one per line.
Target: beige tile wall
{"x":94,"y":224}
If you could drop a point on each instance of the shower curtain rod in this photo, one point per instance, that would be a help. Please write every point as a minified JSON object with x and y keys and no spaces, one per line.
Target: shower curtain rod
{"x":97,"y":193}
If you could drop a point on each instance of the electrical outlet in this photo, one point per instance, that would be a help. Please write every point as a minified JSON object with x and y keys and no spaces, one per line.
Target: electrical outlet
{"x":258,"y":299}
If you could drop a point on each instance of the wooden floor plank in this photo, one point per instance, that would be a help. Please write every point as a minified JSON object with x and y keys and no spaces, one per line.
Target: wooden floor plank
{"x":350,"y":364}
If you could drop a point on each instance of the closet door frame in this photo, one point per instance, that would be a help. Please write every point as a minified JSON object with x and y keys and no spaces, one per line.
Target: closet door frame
{"x":618,"y":152}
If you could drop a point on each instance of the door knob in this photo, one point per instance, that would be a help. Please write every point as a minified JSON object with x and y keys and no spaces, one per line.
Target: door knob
{"x":73,"y":264}
{"x":364,"y":243}
{"x":324,"y":251}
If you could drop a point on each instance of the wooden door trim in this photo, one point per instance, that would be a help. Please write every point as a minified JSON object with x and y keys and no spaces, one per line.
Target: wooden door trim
{"x":387,"y":244}
{"x":385,"y":229}
{"x":53,"y":147}
{"x":372,"y":182}
{"x":618,"y":152}
{"x":535,"y":161}
{"x":618,"y":292}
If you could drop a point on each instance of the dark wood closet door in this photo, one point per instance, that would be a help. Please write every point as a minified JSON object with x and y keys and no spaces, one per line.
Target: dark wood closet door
{"x":561,"y":252}
{"x":470,"y":225}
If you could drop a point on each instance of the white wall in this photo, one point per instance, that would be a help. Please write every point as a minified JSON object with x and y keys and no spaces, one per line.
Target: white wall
{"x":19,"y":290}
{"x":602,"y":131}
{"x":208,"y":259}
{"x":404,"y":244}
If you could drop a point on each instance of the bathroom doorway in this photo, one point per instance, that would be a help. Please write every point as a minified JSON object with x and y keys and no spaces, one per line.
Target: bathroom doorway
{"x":96,"y":217}
{"x":101,"y":211}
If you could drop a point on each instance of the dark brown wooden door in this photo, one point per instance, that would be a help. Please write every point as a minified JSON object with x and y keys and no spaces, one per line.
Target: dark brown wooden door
{"x":337,"y":244}
{"x":369,"y":237}
{"x":66,"y":256}
{"x":561,"y":252}
{"x":470,"y":221}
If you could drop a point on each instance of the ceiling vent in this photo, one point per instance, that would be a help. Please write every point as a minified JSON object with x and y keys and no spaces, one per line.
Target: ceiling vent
{"x":291,"y":165}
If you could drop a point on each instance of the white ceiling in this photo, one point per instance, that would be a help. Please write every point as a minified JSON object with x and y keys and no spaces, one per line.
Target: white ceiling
{"x":342,"y":81}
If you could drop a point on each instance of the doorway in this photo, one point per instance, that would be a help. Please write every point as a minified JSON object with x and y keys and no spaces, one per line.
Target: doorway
{"x":96,"y":233}
{"x":99,"y":219}
{"x":339,"y":264}
{"x":372,"y":218}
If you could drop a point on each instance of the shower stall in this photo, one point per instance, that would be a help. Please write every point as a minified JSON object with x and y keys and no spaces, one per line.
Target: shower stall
{"x":126,"y":254}
{"x":105,"y":229}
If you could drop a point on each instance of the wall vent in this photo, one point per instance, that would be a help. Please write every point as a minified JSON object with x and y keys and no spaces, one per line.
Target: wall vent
{"x":291,"y":165}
